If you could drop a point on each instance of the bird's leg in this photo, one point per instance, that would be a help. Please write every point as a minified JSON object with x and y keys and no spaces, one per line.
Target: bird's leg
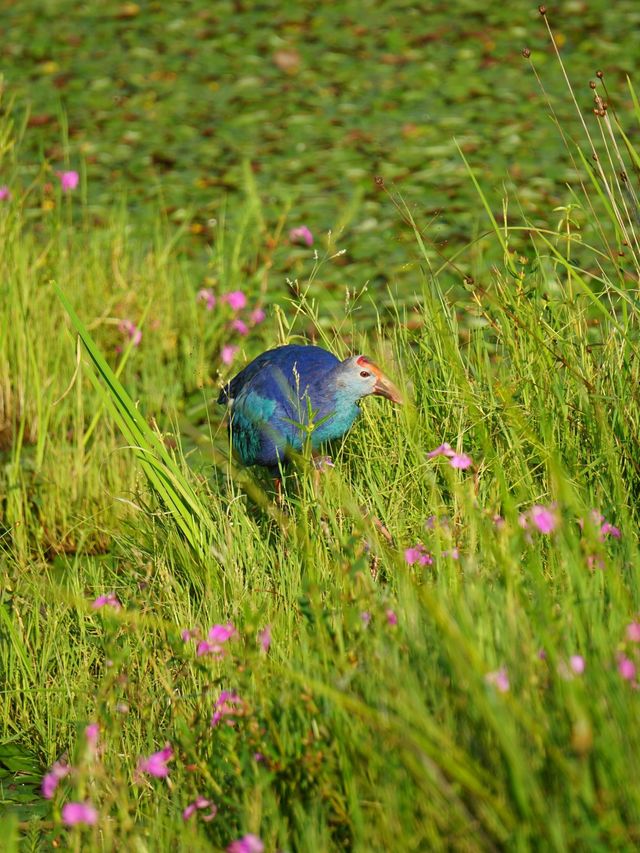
{"x":378,"y":524}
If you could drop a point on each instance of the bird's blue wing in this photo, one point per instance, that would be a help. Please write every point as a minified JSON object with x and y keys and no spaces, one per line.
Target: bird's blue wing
{"x":268,"y":399}
{"x":231,"y":389}
{"x":307,"y":362}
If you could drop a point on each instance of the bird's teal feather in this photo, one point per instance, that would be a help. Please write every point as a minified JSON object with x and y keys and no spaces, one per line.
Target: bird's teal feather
{"x":250,"y":412}
{"x":337,"y":423}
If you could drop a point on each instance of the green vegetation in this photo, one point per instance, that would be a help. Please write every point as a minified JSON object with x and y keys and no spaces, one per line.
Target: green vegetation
{"x":408,"y":655}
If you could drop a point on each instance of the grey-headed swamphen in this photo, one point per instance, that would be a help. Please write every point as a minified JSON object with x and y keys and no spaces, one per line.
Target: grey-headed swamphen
{"x":281,"y":393}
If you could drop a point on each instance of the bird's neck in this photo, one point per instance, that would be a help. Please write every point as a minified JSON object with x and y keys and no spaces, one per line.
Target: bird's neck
{"x":341,"y":413}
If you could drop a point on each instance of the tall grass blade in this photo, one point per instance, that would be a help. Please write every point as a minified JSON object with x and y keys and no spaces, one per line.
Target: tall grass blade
{"x":164,"y":475}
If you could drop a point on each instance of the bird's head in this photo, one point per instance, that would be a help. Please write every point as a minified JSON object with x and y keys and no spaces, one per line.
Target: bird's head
{"x":362,"y":377}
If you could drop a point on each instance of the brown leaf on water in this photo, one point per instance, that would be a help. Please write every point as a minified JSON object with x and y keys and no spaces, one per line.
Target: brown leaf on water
{"x":287,"y":60}
{"x":127,"y":10}
{"x":394,"y":59}
{"x":61,"y":81}
{"x":40,"y":119}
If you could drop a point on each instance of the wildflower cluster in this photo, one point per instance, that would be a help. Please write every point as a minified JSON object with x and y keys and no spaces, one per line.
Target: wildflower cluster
{"x":236,"y":301}
{"x":73,"y":812}
{"x":216,"y":638}
{"x":68,"y":178}
{"x":543,"y":519}
{"x":628,"y":657}
{"x":462,"y":461}
{"x":419,"y":555}
{"x":228,"y":709}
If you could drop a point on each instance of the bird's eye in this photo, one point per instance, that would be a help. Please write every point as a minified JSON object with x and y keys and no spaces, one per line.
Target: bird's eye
{"x":364,"y":374}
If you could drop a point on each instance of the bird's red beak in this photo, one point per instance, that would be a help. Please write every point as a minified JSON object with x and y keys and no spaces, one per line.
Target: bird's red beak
{"x":384,"y":387}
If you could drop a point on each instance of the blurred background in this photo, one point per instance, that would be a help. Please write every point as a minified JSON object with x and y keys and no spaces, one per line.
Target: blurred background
{"x":198,"y":109}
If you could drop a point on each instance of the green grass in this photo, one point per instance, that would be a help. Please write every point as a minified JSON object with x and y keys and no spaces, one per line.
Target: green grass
{"x":115,"y":477}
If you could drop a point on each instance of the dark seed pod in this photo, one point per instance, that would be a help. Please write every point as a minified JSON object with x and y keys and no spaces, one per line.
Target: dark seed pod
{"x":468,"y":279}
{"x":526,"y":52}
{"x":599,"y":74}
{"x":542,"y":10}
{"x":592,"y":83}
{"x":379,"y":181}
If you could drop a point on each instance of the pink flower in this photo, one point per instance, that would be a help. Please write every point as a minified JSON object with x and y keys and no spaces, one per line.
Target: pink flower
{"x":246,"y":844}
{"x":190,"y":634}
{"x":236,"y":300}
{"x":626,"y":668}
{"x":418,"y":554}
{"x":198,"y":804}
{"x":499,"y":679}
{"x":595,"y":561}
{"x":392,"y":619}
{"x":228,"y":704}
{"x":544,"y":519}
{"x":68,"y":180}
{"x":208,"y":297}
{"x":453,"y":553}
{"x":130,"y":330}
{"x":228,"y":353}
{"x":221,"y":633}
{"x":92,"y":735}
{"x":577,"y":664}
{"x":156,"y":764}
{"x":606,"y":529}
{"x":51,"y":779}
{"x":460,"y":460}
{"x":443,"y":450}
{"x":257,"y":316}
{"x":216,"y":638}
{"x":240,"y":327}
{"x":5,"y":193}
{"x":75,"y":813}
{"x":633,"y":632}
{"x":108,"y":600}
{"x":609,"y":530}
{"x":301,"y":235}
{"x":264,"y":638}
{"x":207,"y":648}
{"x":366,"y":617}
{"x":595,"y":516}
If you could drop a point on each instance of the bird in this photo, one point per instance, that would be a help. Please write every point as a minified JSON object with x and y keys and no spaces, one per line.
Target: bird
{"x":295,"y":393}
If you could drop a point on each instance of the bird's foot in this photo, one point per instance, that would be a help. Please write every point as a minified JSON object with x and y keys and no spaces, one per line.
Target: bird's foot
{"x":322,"y":462}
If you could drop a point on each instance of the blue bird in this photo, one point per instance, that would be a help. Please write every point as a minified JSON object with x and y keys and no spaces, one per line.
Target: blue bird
{"x":292,"y":392}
